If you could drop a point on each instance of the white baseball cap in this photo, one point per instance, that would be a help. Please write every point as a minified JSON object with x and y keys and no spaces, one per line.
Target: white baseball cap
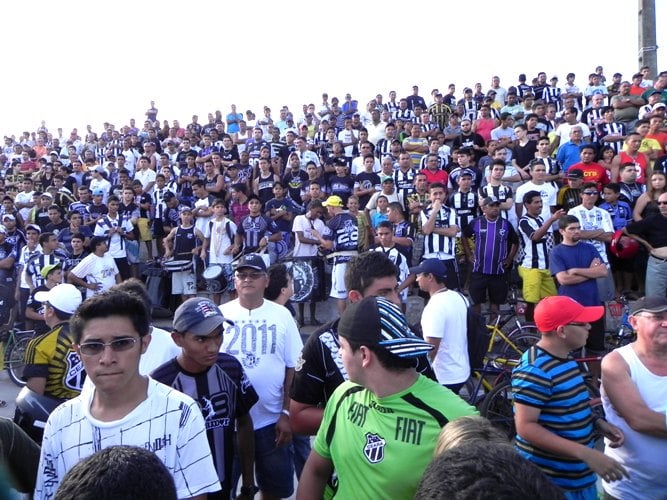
{"x":65,"y":297}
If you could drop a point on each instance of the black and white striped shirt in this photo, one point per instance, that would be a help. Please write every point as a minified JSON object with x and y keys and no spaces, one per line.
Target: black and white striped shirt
{"x":404,"y":182}
{"x":470,"y":109}
{"x":405,"y":115}
{"x":437,"y":245}
{"x":535,"y":253}
{"x":502,"y":193}
{"x":612,"y":128}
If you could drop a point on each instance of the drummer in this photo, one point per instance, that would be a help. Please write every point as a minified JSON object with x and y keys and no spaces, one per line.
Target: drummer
{"x":181,"y":245}
{"x":219,"y":248}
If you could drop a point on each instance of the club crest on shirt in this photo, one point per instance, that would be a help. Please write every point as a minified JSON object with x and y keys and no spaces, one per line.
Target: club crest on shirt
{"x":374,"y":449}
{"x":250,"y":360}
{"x":75,"y":372}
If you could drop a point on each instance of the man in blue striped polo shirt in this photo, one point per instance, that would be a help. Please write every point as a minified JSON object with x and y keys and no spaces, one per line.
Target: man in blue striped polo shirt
{"x":552,"y":410}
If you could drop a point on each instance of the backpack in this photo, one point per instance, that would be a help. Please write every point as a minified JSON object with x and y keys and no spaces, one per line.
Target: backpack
{"x":477,"y":334}
{"x":228,"y":229}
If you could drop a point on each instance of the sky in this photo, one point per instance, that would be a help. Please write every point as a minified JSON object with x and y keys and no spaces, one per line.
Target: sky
{"x":80,"y":63}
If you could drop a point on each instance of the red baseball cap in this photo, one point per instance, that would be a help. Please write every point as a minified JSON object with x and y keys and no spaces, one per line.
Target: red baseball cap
{"x":552,"y":312}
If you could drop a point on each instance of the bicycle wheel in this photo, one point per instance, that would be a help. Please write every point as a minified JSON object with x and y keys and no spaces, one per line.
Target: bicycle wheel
{"x":522,"y":338}
{"x":472,"y":391}
{"x":15,"y":359}
{"x":619,"y":338}
{"x":498,"y":408}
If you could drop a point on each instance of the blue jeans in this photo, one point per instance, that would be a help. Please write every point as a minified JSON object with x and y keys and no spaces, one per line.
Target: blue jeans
{"x":656,"y":277}
{"x":274,"y":466}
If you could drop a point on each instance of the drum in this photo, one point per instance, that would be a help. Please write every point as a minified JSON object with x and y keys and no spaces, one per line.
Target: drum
{"x":215,"y":278}
{"x":308,"y":274}
{"x":175,"y":266}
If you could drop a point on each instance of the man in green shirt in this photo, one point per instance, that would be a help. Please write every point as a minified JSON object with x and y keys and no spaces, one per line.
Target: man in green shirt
{"x":380,"y":427}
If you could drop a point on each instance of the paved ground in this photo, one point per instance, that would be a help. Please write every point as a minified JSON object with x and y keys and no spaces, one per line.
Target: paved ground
{"x":326,"y":311}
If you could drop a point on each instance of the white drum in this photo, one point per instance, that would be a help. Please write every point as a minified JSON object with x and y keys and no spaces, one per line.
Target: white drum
{"x":174,"y":266}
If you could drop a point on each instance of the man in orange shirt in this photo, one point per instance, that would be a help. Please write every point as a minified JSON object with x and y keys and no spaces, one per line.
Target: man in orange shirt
{"x":593,"y":171}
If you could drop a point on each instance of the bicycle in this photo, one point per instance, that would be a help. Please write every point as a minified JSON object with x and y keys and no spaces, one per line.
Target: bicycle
{"x":15,"y":343}
{"x":623,"y":333}
{"x":499,"y":361}
{"x":498,"y":404}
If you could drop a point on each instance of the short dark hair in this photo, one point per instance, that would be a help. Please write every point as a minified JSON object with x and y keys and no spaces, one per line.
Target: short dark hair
{"x":613,"y":186}
{"x":484,"y":471}
{"x":566,"y":220}
{"x":365,"y":268}
{"x":278,"y":279}
{"x":240,"y":187}
{"x":112,"y":303}
{"x":387,"y":225}
{"x":137,"y":287}
{"x":45,"y":237}
{"x":530,"y":196}
{"x":118,"y":472}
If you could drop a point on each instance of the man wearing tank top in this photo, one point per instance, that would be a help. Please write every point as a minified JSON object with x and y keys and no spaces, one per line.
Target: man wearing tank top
{"x":634,"y":391}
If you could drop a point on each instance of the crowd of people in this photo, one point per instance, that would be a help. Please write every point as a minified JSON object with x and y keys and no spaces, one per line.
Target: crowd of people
{"x":547,"y":185}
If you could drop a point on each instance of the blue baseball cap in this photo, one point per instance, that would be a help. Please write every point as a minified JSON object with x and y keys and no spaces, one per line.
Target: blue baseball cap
{"x":431,"y":266}
{"x":199,"y":316}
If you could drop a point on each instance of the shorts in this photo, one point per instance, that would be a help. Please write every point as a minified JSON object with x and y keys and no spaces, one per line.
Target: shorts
{"x":144,"y":229}
{"x":537,"y":284}
{"x":494,"y":284}
{"x":183,"y":283}
{"x":338,"y":290}
{"x":274,"y":466}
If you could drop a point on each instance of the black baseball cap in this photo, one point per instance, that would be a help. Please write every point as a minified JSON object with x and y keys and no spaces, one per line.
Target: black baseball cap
{"x":650,"y":305}
{"x":253,"y":261}
{"x":575,"y":173}
{"x":375,"y":321}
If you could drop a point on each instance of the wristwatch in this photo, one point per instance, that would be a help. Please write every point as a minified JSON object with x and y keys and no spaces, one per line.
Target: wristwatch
{"x":249,"y":491}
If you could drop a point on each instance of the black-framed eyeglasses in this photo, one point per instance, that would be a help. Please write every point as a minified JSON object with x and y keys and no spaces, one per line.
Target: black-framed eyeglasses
{"x":117,"y":345}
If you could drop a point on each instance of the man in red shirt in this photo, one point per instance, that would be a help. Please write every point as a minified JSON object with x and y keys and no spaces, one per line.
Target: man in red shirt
{"x":593,"y":171}
{"x":433,"y":172}
{"x":631,"y":154}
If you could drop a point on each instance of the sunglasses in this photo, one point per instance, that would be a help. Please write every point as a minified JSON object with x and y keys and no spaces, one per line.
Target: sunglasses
{"x":252,"y":276}
{"x":590,"y":193}
{"x":117,"y":345}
